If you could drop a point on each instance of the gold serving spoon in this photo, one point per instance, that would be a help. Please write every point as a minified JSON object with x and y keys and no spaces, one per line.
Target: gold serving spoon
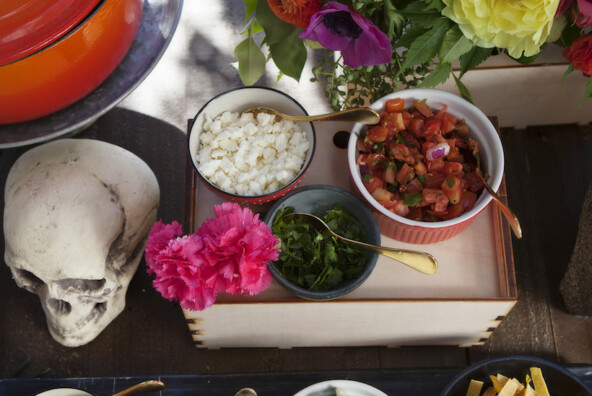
{"x":419,"y":261}
{"x":512,"y":219}
{"x":246,"y":392}
{"x":143,"y":387}
{"x":363,"y":115}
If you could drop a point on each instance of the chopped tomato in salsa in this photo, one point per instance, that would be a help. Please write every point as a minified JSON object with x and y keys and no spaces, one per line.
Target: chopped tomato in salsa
{"x":419,"y":162}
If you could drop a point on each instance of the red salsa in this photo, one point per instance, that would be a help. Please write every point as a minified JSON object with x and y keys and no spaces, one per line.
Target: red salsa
{"x":420,"y":162}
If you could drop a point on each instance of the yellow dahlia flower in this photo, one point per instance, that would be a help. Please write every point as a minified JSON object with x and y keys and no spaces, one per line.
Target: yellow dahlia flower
{"x":520,"y":26}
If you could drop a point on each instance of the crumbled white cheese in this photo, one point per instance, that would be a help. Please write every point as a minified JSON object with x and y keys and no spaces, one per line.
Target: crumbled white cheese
{"x":249,"y":156}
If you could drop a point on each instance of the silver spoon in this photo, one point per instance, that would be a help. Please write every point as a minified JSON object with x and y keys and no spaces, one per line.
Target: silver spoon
{"x":419,"y":261}
{"x":143,"y":387}
{"x":363,"y":115}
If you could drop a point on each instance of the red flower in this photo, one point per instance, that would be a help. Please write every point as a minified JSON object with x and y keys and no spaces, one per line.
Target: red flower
{"x":579,"y":53}
{"x":295,"y":12}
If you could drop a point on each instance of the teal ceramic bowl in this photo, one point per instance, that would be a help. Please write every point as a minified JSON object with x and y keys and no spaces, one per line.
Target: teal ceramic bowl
{"x":318,"y":199}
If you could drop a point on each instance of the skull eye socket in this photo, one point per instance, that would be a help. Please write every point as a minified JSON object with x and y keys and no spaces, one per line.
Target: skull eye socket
{"x":28,"y":278}
{"x":87,"y":285}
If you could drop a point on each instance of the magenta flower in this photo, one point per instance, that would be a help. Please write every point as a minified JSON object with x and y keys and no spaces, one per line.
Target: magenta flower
{"x":337,"y":27}
{"x":227,"y":254}
{"x":581,"y":15}
{"x":239,"y":245}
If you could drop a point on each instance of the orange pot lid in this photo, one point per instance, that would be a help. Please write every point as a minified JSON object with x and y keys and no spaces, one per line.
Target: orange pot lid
{"x":29,"y":25}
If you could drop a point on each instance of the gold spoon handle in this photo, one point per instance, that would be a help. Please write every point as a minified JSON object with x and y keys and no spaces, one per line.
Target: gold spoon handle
{"x":363,"y":115}
{"x":512,"y":219}
{"x":143,"y":387}
{"x":419,"y":261}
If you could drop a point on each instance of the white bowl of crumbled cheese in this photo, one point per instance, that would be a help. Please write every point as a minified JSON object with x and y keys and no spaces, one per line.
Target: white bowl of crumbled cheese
{"x":247,"y":158}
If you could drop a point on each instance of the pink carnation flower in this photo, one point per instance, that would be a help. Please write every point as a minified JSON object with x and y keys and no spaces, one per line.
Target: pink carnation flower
{"x":227,"y":254}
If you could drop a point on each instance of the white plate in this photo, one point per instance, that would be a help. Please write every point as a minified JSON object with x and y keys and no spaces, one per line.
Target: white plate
{"x":350,"y":388}
{"x":64,"y":392}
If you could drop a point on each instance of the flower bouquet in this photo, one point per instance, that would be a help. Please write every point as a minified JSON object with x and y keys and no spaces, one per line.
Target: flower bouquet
{"x":375,"y":47}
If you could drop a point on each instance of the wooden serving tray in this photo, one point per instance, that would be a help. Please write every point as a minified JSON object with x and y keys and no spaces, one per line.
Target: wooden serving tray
{"x":462,"y":304}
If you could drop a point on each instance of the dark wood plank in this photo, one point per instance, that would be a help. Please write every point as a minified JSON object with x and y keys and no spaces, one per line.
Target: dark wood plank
{"x":528,"y":328}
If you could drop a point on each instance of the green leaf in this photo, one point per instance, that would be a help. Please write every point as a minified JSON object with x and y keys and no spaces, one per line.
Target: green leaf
{"x":434,"y":4}
{"x":473,"y":58}
{"x":426,"y":46}
{"x":454,"y":45}
{"x":588,"y":92}
{"x":437,"y":76}
{"x":251,"y":61}
{"x":418,"y":15}
{"x":568,"y":34}
{"x":251,"y":5}
{"x":525,"y":60}
{"x":314,"y":259}
{"x":568,"y":71}
{"x":289,"y":55}
{"x":409,"y":36}
{"x":275,"y":29}
{"x":463,"y":90}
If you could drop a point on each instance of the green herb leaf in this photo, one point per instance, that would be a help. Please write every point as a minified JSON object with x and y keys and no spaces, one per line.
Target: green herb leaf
{"x":426,"y":46}
{"x":473,"y":58}
{"x":412,"y":199}
{"x":314,"y":259}
{"x":251,"y":61}
{"x":438,"y":76}
{"x":454,"y":45}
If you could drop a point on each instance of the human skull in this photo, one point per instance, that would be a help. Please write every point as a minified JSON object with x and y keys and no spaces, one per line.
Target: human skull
{"x":76,"y":218}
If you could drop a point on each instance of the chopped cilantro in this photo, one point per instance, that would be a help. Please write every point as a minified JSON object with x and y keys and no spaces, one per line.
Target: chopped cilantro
{"x":412,"y":199}
{"x":421,"y":179}
{"x":392,"y":188}
{"x":378,"y":147}
{"x":312,"y":258}
{"x":402,"y":140}
{"x":366,"y":178}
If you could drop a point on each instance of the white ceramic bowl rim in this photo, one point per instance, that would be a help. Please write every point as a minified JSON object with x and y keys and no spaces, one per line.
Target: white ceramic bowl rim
{"x":353,"y":388}
{"x":491,"y":158}
{"x":304,"y":167}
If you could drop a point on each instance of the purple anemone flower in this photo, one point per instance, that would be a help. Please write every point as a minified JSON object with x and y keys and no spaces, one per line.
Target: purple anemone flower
{"x":337,"y":27}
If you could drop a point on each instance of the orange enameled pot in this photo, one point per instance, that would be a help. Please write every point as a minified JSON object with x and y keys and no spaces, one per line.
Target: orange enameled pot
{"x":73,"y":66}
{"x":29,"y":25}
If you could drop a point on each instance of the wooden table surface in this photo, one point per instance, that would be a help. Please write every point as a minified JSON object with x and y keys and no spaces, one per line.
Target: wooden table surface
{"x":547,"y":172}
